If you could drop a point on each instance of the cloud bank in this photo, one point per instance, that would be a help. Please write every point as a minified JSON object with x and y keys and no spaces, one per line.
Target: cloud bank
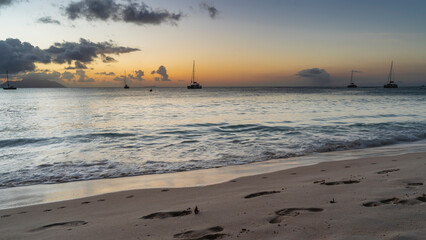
{"x":17,"y":56}
{"x":85,"y":51}
{"x":132,"y":12}
{"x":314,"y":74}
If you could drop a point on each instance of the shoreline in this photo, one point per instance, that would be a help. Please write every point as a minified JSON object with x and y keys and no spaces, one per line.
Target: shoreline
{"x":381,"y":197}
{"x":48,"y":193}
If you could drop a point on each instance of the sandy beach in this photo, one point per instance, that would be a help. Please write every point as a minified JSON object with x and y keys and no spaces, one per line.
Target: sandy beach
{"x":369,"y":198}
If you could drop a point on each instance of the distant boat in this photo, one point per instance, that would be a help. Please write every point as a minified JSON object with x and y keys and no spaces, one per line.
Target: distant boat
{"x":352,"y":84}
{"x":125,"y":84}
{"x":194,"y":84}
{"x":391,"y":83}
{"x":9,"y":87}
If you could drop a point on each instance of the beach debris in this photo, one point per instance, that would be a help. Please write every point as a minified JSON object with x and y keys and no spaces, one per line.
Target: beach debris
{"x":333,"y":201}
{"x":196,"y":211}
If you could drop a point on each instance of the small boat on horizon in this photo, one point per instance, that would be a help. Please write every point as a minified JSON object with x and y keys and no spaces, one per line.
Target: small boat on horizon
{"x":9,"y":87}
{"x":391,"y":83}
{"x":352,"y":84}
{"x":194,"y":84}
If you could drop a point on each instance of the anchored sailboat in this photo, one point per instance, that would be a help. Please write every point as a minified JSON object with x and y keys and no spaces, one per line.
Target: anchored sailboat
{"x":194,"y":84}
{"x":352,"y":84}
{"x":9,"y":87}
{"x":391,"y":83}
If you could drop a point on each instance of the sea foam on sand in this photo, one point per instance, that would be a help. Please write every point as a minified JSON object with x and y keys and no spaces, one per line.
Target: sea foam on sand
{"x":369,"y":198}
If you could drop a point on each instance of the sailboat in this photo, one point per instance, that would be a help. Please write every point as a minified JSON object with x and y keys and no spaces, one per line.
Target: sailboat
{"x":9,"y":87}
{"x":391,"y":83}
{"x":352,"y":84}
{"x":125,"y":84}
{"x":194,"y":84}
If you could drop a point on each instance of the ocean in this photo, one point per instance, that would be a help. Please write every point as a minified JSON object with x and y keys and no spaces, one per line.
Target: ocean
{"x":64,"y":135}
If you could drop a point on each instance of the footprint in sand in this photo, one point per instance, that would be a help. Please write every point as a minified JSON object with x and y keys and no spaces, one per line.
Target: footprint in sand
{"x":162,"y":215}
{"x":388,"y":171}
{"x":396,"y":201}
{"x":61,"y":207}
{"x":291,"y":212}
{"x":61,"y":224}
{"x":203,"y":234}
{"x":340,"y":182}
{"x":101,"y":200}
{"x":5,"y":216}
{"x":130,"y":196}
{"x":261,"y":194}
{"x":47,"y":210}
{"x":414,"y":184}
{"x":87,"y":202}
{"x":165,"y":190}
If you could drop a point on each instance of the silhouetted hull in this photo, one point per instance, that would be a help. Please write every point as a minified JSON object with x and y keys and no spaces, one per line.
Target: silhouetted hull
{"x":195,"y":87}
{"x":9,"y":88}
{"x":352,"y":86}
{"x":391,"y":85}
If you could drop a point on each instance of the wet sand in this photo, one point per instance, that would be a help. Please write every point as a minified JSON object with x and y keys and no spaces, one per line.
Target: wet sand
{"x":369,"y":198}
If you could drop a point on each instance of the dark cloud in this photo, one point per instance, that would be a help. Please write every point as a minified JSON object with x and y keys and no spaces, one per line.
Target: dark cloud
{"x":17,"y":56}
{"x":8,"y":2}
{"x":82,"y":76}
{"x":132,"y":12}
{"x":48,"y":20}
{"x":162,"y":71}
{"x":141,"y":14}
{"x":213,"y":12}
{"x":92,"y":9}
{"x":107,"y":74}
{"x":77,"y":65}
{"x":85,"y":51}
{"x":137,"y":76}
{"x":314,"y":74}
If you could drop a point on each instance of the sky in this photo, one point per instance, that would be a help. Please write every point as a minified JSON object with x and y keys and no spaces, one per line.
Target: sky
{"x":95,"y":43}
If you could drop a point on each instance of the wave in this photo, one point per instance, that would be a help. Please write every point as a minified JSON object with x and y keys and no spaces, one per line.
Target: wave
{"x":68,"y":171}
{"x":17,"y":142}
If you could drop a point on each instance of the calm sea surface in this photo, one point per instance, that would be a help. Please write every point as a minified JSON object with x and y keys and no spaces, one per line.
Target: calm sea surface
{"x":63,"y":135}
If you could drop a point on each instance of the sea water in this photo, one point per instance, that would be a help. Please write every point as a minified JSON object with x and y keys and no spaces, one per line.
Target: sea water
{"x":64,"y":135}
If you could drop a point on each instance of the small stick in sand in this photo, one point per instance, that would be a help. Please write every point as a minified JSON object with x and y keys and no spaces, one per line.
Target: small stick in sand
{"x":196,"y":211}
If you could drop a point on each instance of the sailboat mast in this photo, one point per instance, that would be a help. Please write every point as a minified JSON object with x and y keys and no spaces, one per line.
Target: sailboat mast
{"x":390,"y":73}
{"x":193,"y":72}
{"x":352,"y":74}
